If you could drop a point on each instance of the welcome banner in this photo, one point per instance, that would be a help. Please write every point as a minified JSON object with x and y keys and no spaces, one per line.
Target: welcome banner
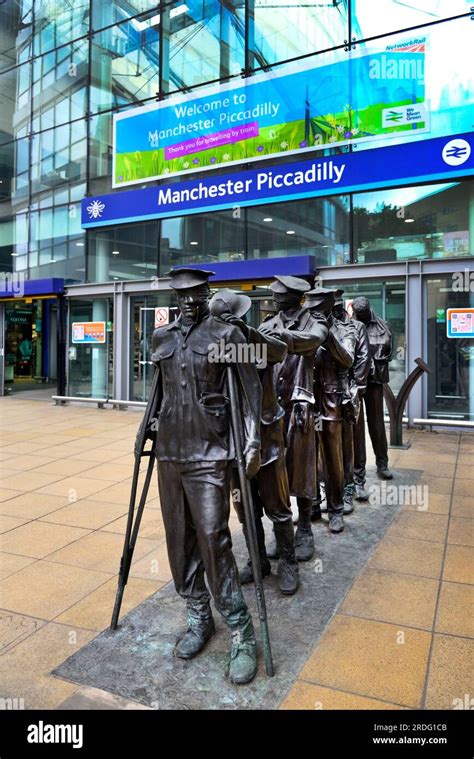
{"x":291,"y":110}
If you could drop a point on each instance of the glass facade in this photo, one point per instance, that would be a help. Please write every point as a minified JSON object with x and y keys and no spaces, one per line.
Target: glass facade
{"x":65,"y":69}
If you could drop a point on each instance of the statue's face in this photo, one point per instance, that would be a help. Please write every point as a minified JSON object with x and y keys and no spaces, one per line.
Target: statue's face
{"x":193,"y":302}
{"x":363,"y":315}
{"x":286,"y":301}
{"x":338,"y":312}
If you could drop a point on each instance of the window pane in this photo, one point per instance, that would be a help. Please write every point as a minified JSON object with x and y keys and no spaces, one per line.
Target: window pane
{"x":57,"y":244}
{"x":431,"y":221}
{"x":59,"y":157}
{"x":201,"y":238}
{"x":389,"y":15}
{"x":127,"y":251}
{"x":114,"y":11}
{"x":317,"y":227}
{"x":60,"y":95}
{"x":206,"y":41}
{"x":125,"y":64}
{"x":14,"y":100}
{"x":13,"y":240}
{"x":286,"y":29}
{"x":15,"y":20}
{"x":57,"y":23}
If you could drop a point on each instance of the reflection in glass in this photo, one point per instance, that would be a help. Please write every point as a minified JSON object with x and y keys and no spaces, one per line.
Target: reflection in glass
{"x":15,"y":30}
{"x":369,"y":20}
{"x":57,"y":244}
{"x":285,"y":29}
{"x":125,"y":63}
{"x":203,"y":238}
{"x":59,"y":85}
{"x":205,"y":42}
{"x":127,"y":251}
{"x":57,"y":23}
{"x":317,"y":227}
{"x":431,"y":221}
{"x":58,"y":157}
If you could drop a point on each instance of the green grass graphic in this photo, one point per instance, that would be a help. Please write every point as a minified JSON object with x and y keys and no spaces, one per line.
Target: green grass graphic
{"x":324,"y":129}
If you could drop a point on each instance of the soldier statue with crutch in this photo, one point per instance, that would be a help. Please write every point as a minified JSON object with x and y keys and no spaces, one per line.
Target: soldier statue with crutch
{"x":202,"y":416}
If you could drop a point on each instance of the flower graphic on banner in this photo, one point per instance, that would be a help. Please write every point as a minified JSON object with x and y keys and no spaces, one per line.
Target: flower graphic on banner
{"x":95,"y":208}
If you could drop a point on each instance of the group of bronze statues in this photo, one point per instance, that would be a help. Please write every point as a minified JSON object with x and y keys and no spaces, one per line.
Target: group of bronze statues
{"x":302,"y":420}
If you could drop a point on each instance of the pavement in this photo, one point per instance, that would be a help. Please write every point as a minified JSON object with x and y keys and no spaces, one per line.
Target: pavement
{"x":384,"y":620}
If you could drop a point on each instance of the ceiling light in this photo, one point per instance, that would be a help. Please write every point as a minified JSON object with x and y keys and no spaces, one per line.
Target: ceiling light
{"x":115,"y":252}
{"x":409,"y":221}
{"x":80,"y":244}
{"x":268,"y":218}
{"x":15,"y":254}
{"x":193,"y":242}
{"x":290,"y":231}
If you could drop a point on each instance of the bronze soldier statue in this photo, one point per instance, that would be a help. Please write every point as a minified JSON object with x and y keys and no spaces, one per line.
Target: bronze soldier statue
{"x":303,"y":333}
{"x":270,"y":488}
{"x":358,"y":374}
{"x":381,"y":348}
{"x":194,"y":450}
{"x":332,"y":363}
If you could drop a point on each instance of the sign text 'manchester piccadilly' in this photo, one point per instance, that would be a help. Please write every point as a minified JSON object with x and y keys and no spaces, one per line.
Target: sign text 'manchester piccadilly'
{"x":442,"y":158}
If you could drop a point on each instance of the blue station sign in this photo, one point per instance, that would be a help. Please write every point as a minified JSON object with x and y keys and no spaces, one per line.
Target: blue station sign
{"x":441,"y":158}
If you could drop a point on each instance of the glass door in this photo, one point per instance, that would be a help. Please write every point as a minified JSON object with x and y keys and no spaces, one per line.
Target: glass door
{"x":451,"y":359}
{"x":90,"y":351}
{"x":147,"y":312}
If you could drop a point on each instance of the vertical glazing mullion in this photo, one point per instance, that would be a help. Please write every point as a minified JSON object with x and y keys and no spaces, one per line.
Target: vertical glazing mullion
{"x":224,"y":41}
{"x":30,"y":137}
{"x":164,"y":51}
{"x":249,"y":35}
{"x":88,"y":135}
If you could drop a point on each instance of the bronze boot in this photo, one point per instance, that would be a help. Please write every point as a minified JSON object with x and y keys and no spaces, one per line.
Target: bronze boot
{"x":243,"y":654}
{"x":304,"y":540}
{"x":288,"y":574}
